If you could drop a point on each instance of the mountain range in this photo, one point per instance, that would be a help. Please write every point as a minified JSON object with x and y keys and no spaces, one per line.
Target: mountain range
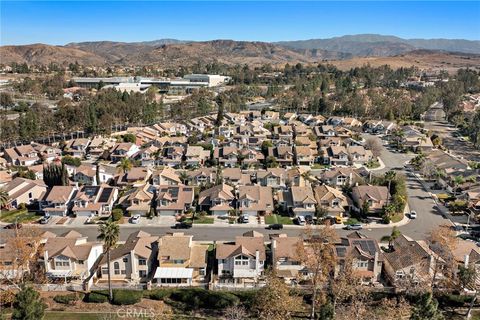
{"x":172,"y":52}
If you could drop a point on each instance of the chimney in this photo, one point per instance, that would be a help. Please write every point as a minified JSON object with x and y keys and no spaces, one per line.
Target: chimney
{"x":466,"y":260}
{"x":257,"y":262}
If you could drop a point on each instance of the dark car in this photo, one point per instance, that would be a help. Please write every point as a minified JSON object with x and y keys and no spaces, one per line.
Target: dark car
{"x":354,"y":227}
{"x":276,"y":226}
{"x":309,"y":219}
{"x":182,"y":225}
{"x":13,"y":226}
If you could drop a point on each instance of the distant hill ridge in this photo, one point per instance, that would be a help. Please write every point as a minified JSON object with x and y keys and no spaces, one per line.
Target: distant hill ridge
{"x":173,"y":52}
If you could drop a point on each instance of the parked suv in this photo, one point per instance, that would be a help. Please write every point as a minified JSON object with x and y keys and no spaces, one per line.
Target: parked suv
{"x":45,"y":219}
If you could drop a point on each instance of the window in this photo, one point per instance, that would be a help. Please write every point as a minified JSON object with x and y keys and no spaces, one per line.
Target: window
{"x":241,"y":261}
{"x":178,"y":261}
{"x":362,"y":264}
{"x":104,"y":270}
{"x":125,"y":259}
{"x":142,"y":262}
{"x":201,"y":271}
{"x":225,"y":272}
{"x":116,"y":267}
{"x":80,"y":261}
{"x":30,"y":195}
{"x":142,"y":273}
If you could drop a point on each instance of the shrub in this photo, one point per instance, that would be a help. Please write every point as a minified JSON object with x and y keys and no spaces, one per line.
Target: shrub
{"x":117,"y":214}
{"x":158,"y":294}
{"x":129,"y":137}
{"x":68,"y":298}
{"x":69,"y":160}
{"x":126,"y":297}
{"x":22,"y":206}
{"x":96,"y":297}
{"x":453,"y":301}
{"x":247,"y":297}
{"x":201,"y":298}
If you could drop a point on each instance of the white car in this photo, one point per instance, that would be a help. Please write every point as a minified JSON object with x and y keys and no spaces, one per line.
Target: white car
{"x":301,"y":220}
{"x":244,"y":218}
{"x":413,"y":214}
{"x":135,"y":219}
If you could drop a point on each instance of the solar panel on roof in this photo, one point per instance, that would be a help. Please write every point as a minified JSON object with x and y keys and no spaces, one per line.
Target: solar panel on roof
{"x":105,"y":195}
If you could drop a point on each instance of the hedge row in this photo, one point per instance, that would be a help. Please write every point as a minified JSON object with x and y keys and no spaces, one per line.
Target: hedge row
{"x":120,"y":296}
{"x":97,"y":296}
{"x":201,"y":298}
{"x":68,"y":298}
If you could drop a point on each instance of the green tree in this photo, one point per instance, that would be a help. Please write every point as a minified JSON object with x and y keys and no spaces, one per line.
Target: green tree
{"x":55,"y":175}
{"x":274,"y":301}
{"x":4,"y":198}
{"x":129,"y":137}
{"x":28,"y":305}
{"x":125,"y":165}
{"x":426,"y":308}
{"x":108,"y":233}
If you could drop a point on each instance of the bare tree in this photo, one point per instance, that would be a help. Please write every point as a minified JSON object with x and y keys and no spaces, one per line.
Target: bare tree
{"x":374,"y":145}
{"x":235,"y":313}
{"x":318,"y":255}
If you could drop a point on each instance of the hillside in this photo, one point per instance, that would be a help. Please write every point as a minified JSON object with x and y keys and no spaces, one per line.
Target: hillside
{"x":45,"y":54}
{"x":423,"y":59}
{"x":367,"y":45}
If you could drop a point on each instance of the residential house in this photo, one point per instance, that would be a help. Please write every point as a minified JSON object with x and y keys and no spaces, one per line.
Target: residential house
{"x":305,"y":156}
{"x":250,"y":157}
{"x":241,"y":262}
{"x":219,"y":200}
{"x":375,"y":196}
{"x":166,"y":176}
{"x":172,"y":156}
{"x":70,"y":257}
{"x":226,"y":156}
{"x":299,"y":200}
{"x":287,"y":259}
{"x":21,"y":190}
{"x":202,"y":176}
{"x":58,"y":201}
{"x":123,"y":150}
{"x":255,"y":200}
{"x":85,"y":174}
{"x":363,"y":253}
{"x":77,"y":147}
{"x":339,"y":177}
{"x":282,"y":154}
{"x":332,"y":200}
{"x":45,"y":152}
{"x":94,"y":200}
{"x":133,"y":261}
{"x":272,"y":177}
{"x":21,"y":155}
{"x":235,"y":176}
{"x":136,"y":176}
{"x":173,"y":200}
{"x":335,"y":156}
{"x":196,"y":156}
{"x":181,"y":261}
{"x":138,"y":200}
{"x":359,"y":155}
{"x":410,"y":263}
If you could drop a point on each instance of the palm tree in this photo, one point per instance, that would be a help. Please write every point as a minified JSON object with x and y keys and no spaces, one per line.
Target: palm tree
{"x":394,"y":235}
{"x":125,"y":165}
{"x":108,"y":233}
{"x":4,"y":198}
{"x":183,"y":176}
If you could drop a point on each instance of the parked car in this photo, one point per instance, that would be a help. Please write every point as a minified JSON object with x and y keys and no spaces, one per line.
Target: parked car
{"x":354,"y":227}
{"x":90,"y":219}
{"x":14,"y":225}
{"x":182,"y":225}
{"x":45,"y":219}
{"x":244,"y":218}
{"x":413,"y":214}
{"x":135,"y":219}
{"x":301,"y":220}
{"x":275,"y":226}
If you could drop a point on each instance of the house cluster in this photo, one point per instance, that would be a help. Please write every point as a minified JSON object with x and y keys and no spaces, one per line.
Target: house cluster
{"x":253,"y":163}
{"x":176,"y":259}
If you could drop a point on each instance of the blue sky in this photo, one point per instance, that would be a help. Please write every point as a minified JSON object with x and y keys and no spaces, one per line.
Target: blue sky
{"x":61,"y":22}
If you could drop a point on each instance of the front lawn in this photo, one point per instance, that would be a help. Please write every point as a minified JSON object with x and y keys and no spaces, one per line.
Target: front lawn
{"x":372,"y":164}
{"x":21,"y":214}
{"x":320,"y":166}
{"x":77,"y":316}
{"x":275,"y":218}
{"x":396,"y":217}
{"x":200,"y":220}
{"x":351,"y":221}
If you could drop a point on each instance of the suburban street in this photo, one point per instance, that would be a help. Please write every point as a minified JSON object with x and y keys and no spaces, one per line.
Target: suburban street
{"x":461,"y":148}
{"x":418,"y":198}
